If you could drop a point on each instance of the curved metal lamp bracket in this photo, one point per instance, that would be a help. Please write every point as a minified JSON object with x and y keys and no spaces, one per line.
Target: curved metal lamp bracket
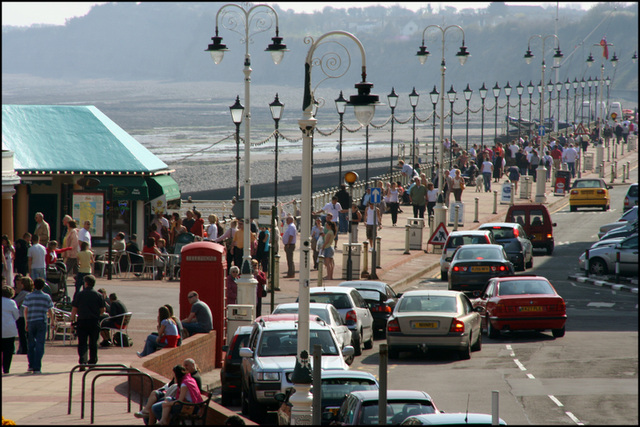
{"x":231,"y":15}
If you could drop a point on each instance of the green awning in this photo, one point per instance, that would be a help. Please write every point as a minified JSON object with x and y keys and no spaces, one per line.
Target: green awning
{"x":125,"y":187}
{"x":163,"y":184}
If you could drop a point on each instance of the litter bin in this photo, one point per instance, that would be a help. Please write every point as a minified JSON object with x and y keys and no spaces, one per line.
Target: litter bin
{"x":588,"y":162}
{"x":356,"y":252}
{"x":525,"y":187}
{"x":416,"y":225}
{"x":563,"y":183}
{"x":238,"y":315}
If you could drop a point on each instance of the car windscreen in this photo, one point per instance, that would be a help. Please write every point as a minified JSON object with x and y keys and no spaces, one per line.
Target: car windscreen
{"x":633,"y":191}
{"x":520,"y":287}
{"x":315,"y":311}
{"x":339,"y":301}
{"x":425,"y":303}
{"x":476,"y":254}
{"x":284,"y":343}
{"x":334,"y":390}
{"x":397,"y":411}
{"x":501,"y":233}
{"x":370,"y":295}
{"x":456,"y":241}
{"x":589,"y":183}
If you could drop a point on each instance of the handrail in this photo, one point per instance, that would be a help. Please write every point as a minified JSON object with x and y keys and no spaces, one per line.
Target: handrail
{"x":117,"y":374}
{"x":127,"y":369}
{"x":71,"y":380}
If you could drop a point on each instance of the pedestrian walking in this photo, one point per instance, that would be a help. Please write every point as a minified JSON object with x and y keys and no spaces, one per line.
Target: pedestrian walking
{"x":38,"y":307}
{"x":10,"y":315}
{"x":289,"y":239}
{"x":87,"y":307}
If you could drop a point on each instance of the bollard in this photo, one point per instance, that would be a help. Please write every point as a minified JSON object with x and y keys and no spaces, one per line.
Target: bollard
{"x":320,"y":269}
{"x":617,"y":266}
{"x":628,"y":169}
{"x":475,"y":218}
{"x":513,"y":192}
{"x":622,"y":149}
{"x":615,"y":169}
{"x":455,"y":218}
{"x":608,"y":151}
{"x":378,"y":251}
{"x":406,"y":239}
{"x":382,"y":374}
{"x":624,"y":173}
{"x":495,"y":407}
{"x":586,"y":263}
{"x":577,"y":167}
{"x":276,"y":272}
{"x":364,"y":257}
{"x":613,"y":172}
{"x":495,"y":202}
{"x":601,"y":174}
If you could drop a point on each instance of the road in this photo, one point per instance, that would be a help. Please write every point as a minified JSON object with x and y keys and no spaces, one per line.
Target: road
{"x":590,"y":376}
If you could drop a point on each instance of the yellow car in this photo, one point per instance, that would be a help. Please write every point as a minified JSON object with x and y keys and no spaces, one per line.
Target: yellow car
{"x":589,"y":193}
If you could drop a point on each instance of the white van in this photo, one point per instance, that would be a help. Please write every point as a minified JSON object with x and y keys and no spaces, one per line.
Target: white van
{"x":616,"y":109}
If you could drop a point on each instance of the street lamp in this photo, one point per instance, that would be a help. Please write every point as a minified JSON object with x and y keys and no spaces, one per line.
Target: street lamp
{"x":567,"y":86}
{"x":423,"y":53}
{"x":496,"y":94}
{"x":434,"y":95}
{"x":589,"y":83}
{"x":507,"y":91}
{"x":601,"y":83}
{"x":231,"y":15}
{"x":451,"y":94}
{"x":608,"y":82}
{"x":540,"y":100}
{"x":467,"y":97}
{"x":276,"y":108}
{"x":393,"y":102}
{"x":413,"y":100}
{"x":530,"y":89}
{"x":583,"y":83}
{"x":483,"y":94}
{"x":558,"y":89}
{"x":364,"y":108}
{"x":520,"y":91}
{"x":550,"y":90}
{"x":341,"y":107}
{"x":236,"y":115}
{"x":575,"y":98}
{"x":556,"y":62}
{"x":350,"y":178}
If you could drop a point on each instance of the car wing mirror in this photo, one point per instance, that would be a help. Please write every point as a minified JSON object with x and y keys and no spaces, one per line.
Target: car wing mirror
{"x":348,"y":351}
{"x":246,"y":352}
{"x":399,"y":295}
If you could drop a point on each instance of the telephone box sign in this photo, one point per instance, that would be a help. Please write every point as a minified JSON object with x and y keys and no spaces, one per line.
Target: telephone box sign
{"x":201,"y":258}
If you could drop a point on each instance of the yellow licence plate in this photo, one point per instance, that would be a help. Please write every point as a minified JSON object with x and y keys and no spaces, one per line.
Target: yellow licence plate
{"x":425,"y":325}
{"x":531,"y":308}
{"x":479,"y":269}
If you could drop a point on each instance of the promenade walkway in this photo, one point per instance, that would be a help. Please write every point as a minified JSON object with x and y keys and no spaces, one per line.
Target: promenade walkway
{"x":42,"y":399}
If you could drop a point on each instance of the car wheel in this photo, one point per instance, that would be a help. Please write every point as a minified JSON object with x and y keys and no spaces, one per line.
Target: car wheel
{"x":368,"y":345}
{"x":605,"y":208}
{"x":558,"y":333}
{"x":357,"y":344}
{"x":393,"y":353}
{"x":444,"y":275}
{"x":226,"y":399}
{"x":491,"y":331}
{"x":478,"y":345}
{"x":550,"y":249}
{"x":530,"y":263}
{"x":597,"y":266}
{"x":521,"y":267}
{"x":573,"y":208}
{"x":465,"y":354}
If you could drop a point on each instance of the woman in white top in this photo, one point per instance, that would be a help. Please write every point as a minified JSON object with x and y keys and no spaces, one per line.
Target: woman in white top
{"x":457,"y":185}
{"x":212,"y":228}
{"x":372,"y":218}
{"x":432,"y":198}
{"x":393,"y":201}
{"x":227,"y":239}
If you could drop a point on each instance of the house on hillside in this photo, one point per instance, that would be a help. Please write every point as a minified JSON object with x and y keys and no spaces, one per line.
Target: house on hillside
{"x":73,"y":160}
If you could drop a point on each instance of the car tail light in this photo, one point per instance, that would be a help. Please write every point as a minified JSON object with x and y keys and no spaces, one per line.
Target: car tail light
{"x":600,"y":191}
{"x":393,"y":326}
{"x":457,"y":326}
{"x":351,"y":317}
{"x":500,"y":308}
{"x":381,"y":308}
{"x":463,"y":268}
{"x":574,"y":192}
{"x":626,"y":202}
{"x":233,"y":345}
{"x":549,"y":236}
{"x":502,"y":268}
{"x":516,"y":232}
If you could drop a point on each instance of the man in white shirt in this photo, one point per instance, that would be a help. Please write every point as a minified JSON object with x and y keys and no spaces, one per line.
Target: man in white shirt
{"x":406,"y":170}
{"x":487,"y":172}
{"x":569,"y":156}
{"x":289,"y":239}
{"x":84,"y":235}
{"x":332,"y":208}
{"x":513,"y":148}
{"x":37,"y":255}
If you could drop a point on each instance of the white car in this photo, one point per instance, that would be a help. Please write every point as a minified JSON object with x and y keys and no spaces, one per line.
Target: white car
{"x":602,"y":260}
{"x":353,"y":309}
{"x":326,"y":312}
{"x":629,"y":216}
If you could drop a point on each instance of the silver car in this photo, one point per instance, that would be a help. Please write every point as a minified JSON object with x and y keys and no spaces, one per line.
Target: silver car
{"x":459,"y":418}
{"x":434,"y":319}
{"x":602,"y":260}
{"x":459,"y":238}
{"x":629,"y":216}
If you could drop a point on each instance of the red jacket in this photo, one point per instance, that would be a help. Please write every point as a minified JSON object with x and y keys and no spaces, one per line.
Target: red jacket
{"x":198,"y":227}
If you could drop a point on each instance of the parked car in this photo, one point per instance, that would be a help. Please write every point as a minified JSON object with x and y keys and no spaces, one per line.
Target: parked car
{"x":473,"y":265}
{"x":335,"y":387}
{"x":536,"y":222}
{"x":606,"y":242}
{"x":326,"y":312}
{"x":589,"y":193}
{"x":602,"y":260}
{"x":434,"y":319}
{"x":230,"y":374}
{"x":521,"y":303}
{"x":627,"y":229}
{"x":457,"y":418}
{"x":628,"y":216}
{"x":381,"y":298}
{"x":631,"y":198}
{"x":515,"y":241}
{"x":361,"y":407}
{"x":353,"y":309}
{"x":459,"y":238}
{"x":270,"y":357}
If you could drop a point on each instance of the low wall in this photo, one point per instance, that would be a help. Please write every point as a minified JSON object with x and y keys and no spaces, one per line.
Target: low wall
{"x":159,"y":365}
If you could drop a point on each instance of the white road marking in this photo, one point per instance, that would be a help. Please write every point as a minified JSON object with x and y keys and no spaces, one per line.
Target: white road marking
{"x":601,"y":304}
{"x":574,"y":418}
{"x":520,"y":365}
{"x":531,"y":377}
{"x":555,"y":400}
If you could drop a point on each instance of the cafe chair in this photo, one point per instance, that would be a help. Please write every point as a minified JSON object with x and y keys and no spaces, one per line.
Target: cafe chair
{"x":120,"y":324}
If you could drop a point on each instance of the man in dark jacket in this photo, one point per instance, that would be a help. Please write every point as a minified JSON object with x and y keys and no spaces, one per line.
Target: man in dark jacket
{"x":88,"y":305}
{"x":345,"y":201}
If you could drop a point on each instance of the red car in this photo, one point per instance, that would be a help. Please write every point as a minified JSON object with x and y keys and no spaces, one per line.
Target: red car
{"x":521,"y":303}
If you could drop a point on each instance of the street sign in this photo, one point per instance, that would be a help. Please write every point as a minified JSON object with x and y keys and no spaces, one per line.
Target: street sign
{"x":376,"y":195}
{"x":439,"y":236}
{"x":541,"y":130}
{"x":613,"y":116}
{"x":238,"y":209}
{"x":580,"y":130}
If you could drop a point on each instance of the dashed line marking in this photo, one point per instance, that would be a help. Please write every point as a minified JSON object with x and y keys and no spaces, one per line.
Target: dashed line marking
{"x":555,"y":400}
{"x":531,"y":377}
{"x":574,"y":418}
{"x":520,"y":365}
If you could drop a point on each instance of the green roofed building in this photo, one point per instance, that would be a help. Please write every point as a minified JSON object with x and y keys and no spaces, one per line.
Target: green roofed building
{"x":66,"y":159}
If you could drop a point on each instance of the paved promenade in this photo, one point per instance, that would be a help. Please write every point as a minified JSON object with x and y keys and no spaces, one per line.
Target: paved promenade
{"x":42,"y":399}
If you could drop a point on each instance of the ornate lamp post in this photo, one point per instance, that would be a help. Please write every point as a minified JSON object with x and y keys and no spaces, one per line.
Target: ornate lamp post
{"x":393,"y":102}
{"x":575,"y":97}
{"x":423,"y":53}
{"x":601,"y":83}
{"x":364,"y":107}
{"x":434,"y":95}
{"x":261,"y":17}
{"x":583,"y":83}
{"x":496,"y":94}
{"x":608,"y":82}
{"x":589,"y":84}
{"x":451,"y":94}
{"x":530,"y":89}
{"x":556,"y":62}
{"x":567,"y":86}
{"x":276,"y":108}
{"x":558,"y":89}
{"x":550,"y":90}
{"x":467,"y":97}
{"x":350,"y":178}
{"x":236,"y":115}
{"x":341,"y":107}
{"x":413,"y":100}
{"x":541,"y":100}
{"x":483,"y":95}
{"x":519,"y":91}
{"x":507,"y":91}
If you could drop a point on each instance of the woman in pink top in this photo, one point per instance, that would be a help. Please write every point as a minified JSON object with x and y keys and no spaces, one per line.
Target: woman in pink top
{"x":188,"y":393}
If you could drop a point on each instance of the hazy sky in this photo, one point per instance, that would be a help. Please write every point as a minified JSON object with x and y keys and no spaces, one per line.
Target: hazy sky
{"x":27,"y":13}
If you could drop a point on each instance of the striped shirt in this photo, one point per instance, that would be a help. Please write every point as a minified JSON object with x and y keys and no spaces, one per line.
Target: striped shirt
{"x":38,"y":304}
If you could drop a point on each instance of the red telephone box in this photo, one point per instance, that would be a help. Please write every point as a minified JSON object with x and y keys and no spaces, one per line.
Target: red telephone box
{"x":202,"y":269}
